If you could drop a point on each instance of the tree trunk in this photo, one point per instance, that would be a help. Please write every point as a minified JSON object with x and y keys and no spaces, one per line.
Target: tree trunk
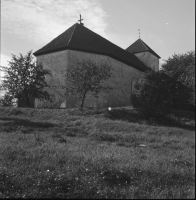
{"x":27,"y":100}
{"x":174,"y":101}
{"x":82,"y":104}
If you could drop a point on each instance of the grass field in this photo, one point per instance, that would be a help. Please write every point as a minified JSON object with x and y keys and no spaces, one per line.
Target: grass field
{"x":54,"y":153}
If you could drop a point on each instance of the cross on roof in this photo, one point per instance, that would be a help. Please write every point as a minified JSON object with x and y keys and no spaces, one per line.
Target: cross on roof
{"x":139,"y":32}
{"x":80,"y":20}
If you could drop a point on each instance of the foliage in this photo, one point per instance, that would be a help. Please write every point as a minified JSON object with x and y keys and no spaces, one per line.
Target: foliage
{"x":152,"y":97}
{"x":25,"y":79}
{"x":181,"y":69}
{"x":6,"y":100}
{"x":87,"y":76}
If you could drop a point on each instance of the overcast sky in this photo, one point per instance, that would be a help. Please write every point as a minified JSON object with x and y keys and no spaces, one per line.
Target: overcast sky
{"x":167,"y":26}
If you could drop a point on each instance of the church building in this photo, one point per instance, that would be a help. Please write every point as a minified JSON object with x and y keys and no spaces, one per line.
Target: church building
{"x":79,"y":43}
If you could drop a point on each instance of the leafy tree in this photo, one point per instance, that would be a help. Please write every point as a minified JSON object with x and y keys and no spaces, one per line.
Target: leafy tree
{"x":6,"y":100}
{"x":181,"y":69}
{"x":25,"y":80}
{"x":87,"y":77}
{"x":152,"y":97}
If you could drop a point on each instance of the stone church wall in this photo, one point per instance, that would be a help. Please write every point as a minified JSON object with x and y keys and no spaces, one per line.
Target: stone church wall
{"x":149,"y":60}
{"x":57,"y":63}
{"x":123,"y":79}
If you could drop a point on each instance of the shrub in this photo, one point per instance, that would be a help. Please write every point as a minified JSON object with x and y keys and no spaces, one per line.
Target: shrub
{"x":152,"y":97}
{"x":6,"y":101}
{"x":181,"y":69}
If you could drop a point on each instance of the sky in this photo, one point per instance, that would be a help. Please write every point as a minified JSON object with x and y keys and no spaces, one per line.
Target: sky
{"x":167,"y":26}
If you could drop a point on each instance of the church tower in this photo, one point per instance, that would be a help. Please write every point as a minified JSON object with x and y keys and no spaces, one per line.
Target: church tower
{"x":145,"y":54}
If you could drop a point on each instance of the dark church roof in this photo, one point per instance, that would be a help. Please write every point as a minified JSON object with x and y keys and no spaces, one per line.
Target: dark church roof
{"x":140,"y":46}
{"x":80,"y":38}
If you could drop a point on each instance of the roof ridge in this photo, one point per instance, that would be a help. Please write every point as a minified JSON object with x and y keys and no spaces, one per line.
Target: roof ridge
{"x":150,"y":49}
{"x":81,"y":38}
{"x":115,"y":45}
{"x":132,"y":44}
{"x":72,"y":34}
{"x":140,"y":46}
{"x":145,"y":44}
{"x":105,"y":39}
{"x":45,"y":47}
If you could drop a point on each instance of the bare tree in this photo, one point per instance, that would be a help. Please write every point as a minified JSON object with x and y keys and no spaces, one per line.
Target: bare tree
{"x":87,"y":77}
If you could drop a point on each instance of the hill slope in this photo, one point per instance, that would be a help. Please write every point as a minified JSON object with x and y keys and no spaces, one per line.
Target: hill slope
{"x":70,"y":153}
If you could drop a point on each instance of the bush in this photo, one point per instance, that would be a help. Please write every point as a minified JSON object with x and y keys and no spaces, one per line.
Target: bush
{"x":181,"y":69}
{"x":6,"y":101}
{"x":152,"y":97}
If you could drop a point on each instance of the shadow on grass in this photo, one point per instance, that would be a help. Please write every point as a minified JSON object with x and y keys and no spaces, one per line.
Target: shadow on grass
{"x":109,"y":184}
{"x":8,"y":187}
{"x":146,"y":181}
{"x":134,"y":117}
{"x":8,"y":124}
{"x":136,"y":176}
{"x":13,"y":124}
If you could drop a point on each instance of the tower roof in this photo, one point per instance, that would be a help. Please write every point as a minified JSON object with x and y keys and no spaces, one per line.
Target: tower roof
{"x":80,"y":38}
{"x":140,"y":46}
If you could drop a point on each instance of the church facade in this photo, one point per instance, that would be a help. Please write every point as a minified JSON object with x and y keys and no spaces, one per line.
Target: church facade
{"x":79,"y":43}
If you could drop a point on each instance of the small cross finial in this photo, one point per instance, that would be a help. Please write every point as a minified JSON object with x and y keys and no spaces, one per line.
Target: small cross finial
{"x":80,"y":20}
{"x":139,"y":32}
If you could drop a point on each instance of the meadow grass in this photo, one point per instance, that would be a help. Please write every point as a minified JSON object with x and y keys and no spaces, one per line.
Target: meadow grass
{"x":72,"y":153}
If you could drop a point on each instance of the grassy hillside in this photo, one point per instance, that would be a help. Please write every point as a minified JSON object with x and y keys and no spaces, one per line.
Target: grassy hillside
{"x":54,"y":153}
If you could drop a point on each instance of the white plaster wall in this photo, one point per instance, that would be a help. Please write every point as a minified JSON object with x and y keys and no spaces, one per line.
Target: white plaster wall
{"x":149,"y":60}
